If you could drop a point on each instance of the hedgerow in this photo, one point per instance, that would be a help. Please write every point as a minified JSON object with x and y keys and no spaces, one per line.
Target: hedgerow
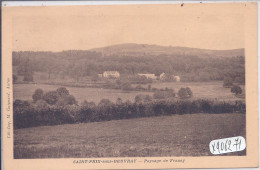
{"x":29,"y":114}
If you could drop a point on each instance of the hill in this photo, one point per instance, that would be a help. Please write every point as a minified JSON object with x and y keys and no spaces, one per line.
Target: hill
{"x":132,"y":49}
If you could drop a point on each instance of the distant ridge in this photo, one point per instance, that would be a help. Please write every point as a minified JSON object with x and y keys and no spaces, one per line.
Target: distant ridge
{"x":132,"y":49}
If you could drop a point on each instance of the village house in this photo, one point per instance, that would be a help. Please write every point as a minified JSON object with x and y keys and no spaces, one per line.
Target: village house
{"x":177,"y":78}
{"x":162,"y":76}
{"x":151,"y":76}
{"x":111,"y":74}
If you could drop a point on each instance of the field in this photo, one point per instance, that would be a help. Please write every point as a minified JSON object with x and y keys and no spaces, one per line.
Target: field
{"x":209,"y":90}
{"x":177,"y":135}
{"x":25,"y":91}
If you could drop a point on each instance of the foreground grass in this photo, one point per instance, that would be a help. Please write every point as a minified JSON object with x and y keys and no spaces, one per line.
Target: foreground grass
{"x":176,"y":135}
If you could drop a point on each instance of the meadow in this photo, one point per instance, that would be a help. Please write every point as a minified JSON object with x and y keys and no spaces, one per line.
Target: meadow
{"x":205,"y":90}
{"x":175,"y":135}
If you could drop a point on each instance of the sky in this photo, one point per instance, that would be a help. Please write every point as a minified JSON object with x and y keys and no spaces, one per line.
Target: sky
{"x":203,"y":26}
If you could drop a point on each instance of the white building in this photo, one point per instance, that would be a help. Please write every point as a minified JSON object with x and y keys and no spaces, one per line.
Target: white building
{"x":151,"y":76}
{"x":162,"y":76}
{"x":177,"y":78}
{"x":111,"y":74}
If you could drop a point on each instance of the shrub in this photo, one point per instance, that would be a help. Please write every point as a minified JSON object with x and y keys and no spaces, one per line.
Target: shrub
{"x":105,"y":102}
{"x":185,"y":93}
{"x":236,"y":89}
{"x":51,"y":97}
{"x":28,"y":114}
{"x":62,"y":91}
{"x":41,"y":105}
{"x":66,"y":100}
{"x":38,"y":95}
{"x":189,"y":91}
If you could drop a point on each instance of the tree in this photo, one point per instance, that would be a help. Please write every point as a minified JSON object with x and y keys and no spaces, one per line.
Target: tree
{"x":66,"y":100}
{"x":189,"y":91}
{"x":62,"y":91}
{"x":236,"y":89}
{"x":51,"y":97}
{"x":38,"y":95}
{"x":105,"y":102}
{"x":28,"y":71}
{"x":185,"y":93}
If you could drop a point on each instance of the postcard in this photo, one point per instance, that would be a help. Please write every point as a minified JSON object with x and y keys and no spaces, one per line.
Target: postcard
{"x":130,"y":86}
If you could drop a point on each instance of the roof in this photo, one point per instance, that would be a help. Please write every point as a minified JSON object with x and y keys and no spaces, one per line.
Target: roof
{"x":111,"y":72}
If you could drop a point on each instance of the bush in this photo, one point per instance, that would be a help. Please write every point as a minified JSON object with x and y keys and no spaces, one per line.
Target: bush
{"x":185,"y":93}
{"x":28,"y":114}
{"x":189,"y":91}
{"x":51,"y":97}
{"x":66,"y":100}
{"x":236,"y":89}
{"x":41,"y":105}
{"x":38,"y":95}
{"x":62,"y":91}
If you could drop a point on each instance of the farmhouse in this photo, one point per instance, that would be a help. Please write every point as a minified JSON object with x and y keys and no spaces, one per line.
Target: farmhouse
{"x":177,"y":78}
{"x":162,"y":76}
{"x":111,"y":74}
{"x":151,"y":76}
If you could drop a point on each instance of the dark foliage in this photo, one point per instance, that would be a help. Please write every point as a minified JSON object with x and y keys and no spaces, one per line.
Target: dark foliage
{"x":236,"y":89}
{"x":40,"y":113}
{"x":87,"y":63}
{"x":185,"y":93}
{"x":38,"y":95}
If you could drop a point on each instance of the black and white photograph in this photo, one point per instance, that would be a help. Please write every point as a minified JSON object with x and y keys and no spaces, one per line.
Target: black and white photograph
{"x":127,"y":82}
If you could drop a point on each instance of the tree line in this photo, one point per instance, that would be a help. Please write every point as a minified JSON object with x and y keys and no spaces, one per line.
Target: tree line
{"x":79,"y":64}
{"x":59,"y":107}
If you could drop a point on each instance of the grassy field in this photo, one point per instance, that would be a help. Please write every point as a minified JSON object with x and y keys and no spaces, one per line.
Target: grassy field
{"x":177,"y":135}
{"x":25,"y":91}
{"x":209,"y":90}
